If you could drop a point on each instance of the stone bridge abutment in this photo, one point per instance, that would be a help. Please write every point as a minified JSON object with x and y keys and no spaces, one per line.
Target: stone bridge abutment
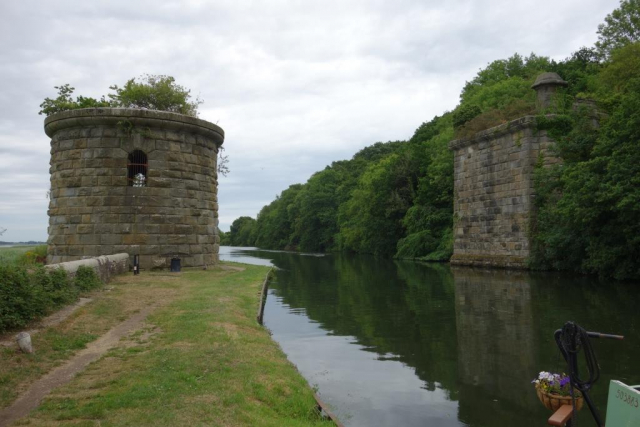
{"x":494,"y":190}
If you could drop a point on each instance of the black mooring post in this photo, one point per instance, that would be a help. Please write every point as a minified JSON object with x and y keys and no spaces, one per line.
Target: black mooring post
{"x":136,"y":264}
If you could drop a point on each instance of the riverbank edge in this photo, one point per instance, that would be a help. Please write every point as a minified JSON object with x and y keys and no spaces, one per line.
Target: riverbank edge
{"x":270,"y":391}
{"x":322,"y":406}
{"x":522,"y":265}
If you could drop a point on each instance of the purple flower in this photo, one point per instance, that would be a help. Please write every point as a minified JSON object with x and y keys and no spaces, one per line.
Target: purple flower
{"x":564,"y":381}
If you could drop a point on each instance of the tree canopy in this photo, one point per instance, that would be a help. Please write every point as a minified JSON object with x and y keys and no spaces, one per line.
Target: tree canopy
{"x":153,"y":92}
{"x":620,"y":28}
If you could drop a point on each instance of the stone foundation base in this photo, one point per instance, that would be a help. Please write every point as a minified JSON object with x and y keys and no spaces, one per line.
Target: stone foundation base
{"x":494,"y":261}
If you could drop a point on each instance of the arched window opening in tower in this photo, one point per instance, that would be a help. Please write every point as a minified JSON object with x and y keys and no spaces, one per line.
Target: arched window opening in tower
{"x":137,"y":169}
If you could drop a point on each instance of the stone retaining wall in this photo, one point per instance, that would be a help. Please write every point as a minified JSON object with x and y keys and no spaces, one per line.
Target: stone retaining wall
{"x":105,"y":266}
{"x":94,"y":210}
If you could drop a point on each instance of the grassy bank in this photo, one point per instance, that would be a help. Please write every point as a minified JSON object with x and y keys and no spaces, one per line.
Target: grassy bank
{"x":9,"y":255}
{"x":27,"y":255}
{"x":200,"y":359}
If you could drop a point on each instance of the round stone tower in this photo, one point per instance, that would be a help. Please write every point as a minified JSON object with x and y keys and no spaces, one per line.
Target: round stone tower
{"x":137,"y":181}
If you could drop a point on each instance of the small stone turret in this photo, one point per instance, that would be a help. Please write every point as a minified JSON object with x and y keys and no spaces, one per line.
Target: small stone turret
{"x":546,"y":86}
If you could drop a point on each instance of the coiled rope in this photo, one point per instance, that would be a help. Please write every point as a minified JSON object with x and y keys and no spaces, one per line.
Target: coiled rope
{"x":571,"y":339}
{"x":574,"y":338}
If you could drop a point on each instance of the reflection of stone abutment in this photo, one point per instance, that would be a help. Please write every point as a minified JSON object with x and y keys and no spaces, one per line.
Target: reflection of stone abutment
{"x":495,"y":331}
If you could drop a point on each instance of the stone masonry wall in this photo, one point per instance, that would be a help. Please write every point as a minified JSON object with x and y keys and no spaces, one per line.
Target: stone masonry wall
{"x":493,"y":193}
{"x":94,"y":211}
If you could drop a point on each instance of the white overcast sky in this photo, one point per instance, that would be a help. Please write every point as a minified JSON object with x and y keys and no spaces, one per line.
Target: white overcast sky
{"x":294,"y":84}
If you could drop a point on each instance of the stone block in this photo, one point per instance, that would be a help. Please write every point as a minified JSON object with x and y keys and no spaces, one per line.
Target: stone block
{"x":85,"y":229}
{"x":184,"y":229}
{"x":174,"y":136}
{"x":156,"y":239}
{"x":174,"y":156}
{"x":198,"y":260}
{"x":87,"y":239}
{"x":162,"y":145}
{"x":112,"y":239}
{"x":150,"y":249}
{"x":167,"y":229}
{"x":159,"y":182}
{"x":176,"y":239}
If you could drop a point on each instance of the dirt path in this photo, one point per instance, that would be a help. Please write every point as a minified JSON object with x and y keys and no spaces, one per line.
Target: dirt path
{"x":65,"y":373}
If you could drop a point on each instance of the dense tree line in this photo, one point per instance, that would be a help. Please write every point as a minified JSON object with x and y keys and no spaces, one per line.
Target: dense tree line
{"x":396,"y":198}
{"x":589,"y":206}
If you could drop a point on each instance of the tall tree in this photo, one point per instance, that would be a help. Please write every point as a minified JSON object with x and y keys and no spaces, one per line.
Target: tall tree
{"x":242,"y":232}
{"x":620,"y":27}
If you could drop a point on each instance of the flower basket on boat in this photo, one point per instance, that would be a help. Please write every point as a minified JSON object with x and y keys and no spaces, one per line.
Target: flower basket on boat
{"x":554,"y":390}
{"x":554,"y":401}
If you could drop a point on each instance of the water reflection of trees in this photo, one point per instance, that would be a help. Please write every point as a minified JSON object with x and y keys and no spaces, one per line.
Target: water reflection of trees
{"x":480,"y":335}
{"x":399,"y":310}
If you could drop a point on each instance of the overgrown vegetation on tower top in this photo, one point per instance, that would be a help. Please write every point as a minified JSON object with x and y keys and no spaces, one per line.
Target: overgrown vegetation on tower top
{"x":152,"y":92}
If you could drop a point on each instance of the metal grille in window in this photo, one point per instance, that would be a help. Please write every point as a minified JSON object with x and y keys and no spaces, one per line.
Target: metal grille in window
{"x":137,"y":169}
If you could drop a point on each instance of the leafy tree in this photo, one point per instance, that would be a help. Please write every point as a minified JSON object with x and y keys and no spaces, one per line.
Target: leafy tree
{"x":464,"y":113}
{"x":620,"y":27}
{"x":65,"y":101}
{"x":429,"y":221}
{"x":579,"y":70}
{"x":224,"y":238}
{"x":317,"y":212}
{"x":621,"y":71}
{"x":503,"y":70}
{"x":275,"y":223}
{"x":384,"y":194}
{"x":499,"y":93}
{"x":588,"y":206}
{"x":153,"y":92}
{"x":242,"y":232}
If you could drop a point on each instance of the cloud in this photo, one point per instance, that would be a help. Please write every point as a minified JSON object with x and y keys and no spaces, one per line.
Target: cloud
{"x":295,"y":84}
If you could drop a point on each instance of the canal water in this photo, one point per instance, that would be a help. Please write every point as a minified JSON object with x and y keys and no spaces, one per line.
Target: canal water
{"x":400,"y":343}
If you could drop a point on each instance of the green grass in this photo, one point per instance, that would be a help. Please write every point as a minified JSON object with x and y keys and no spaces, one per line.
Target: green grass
{"x":18,"y":254}
{"x":202,"y":359}
{"x":12,"y":254}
